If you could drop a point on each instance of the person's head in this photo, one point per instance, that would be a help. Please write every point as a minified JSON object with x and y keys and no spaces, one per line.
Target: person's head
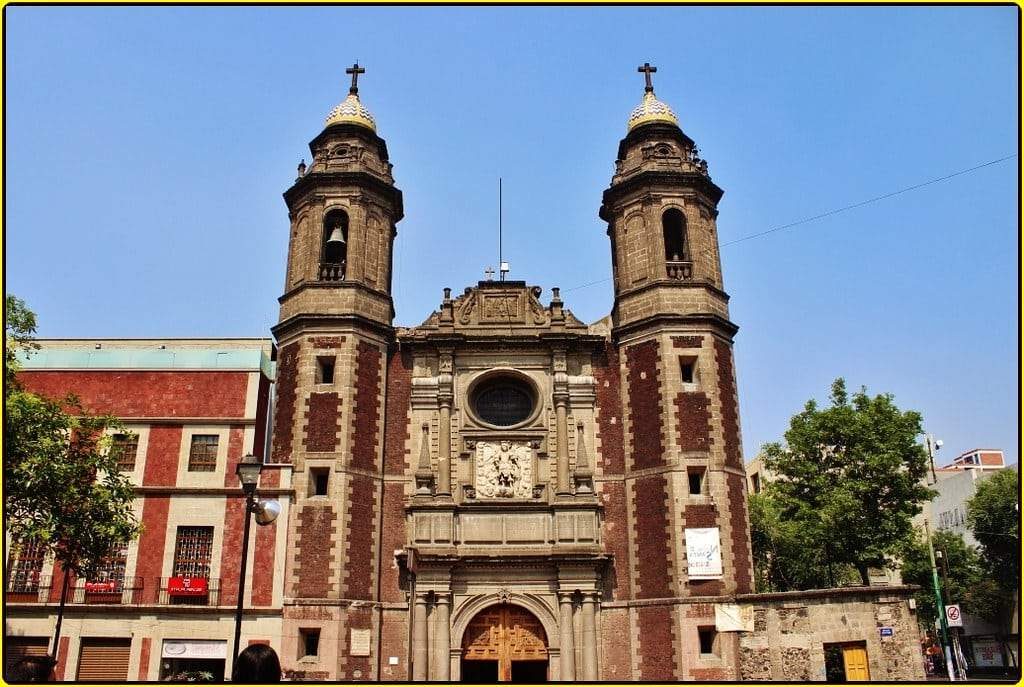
{"x":32,"y":669}
{"x":257,"y":663}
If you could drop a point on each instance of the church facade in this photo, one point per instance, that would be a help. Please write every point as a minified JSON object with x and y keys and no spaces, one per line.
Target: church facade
{"x":506,"y":492}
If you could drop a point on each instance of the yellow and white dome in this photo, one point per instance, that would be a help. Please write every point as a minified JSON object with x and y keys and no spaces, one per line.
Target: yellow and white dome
{"x":651,"y":109}
{"x":351,"y":111}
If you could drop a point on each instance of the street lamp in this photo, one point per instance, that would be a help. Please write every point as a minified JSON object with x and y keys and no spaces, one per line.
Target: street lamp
{"x":248,"y":471}
{"x":932,"y":445}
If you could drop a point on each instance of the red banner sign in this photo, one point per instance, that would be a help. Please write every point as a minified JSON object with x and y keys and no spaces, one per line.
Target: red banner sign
{"x":101,"y":587}
{"x":187,"y":586}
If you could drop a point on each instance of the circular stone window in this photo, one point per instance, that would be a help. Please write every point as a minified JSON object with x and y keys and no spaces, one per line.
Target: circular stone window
{"x":503,"y":400}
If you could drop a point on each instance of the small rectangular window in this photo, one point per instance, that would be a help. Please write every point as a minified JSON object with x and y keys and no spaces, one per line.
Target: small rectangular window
{"x":688,"y":369}
{"x":696,"y":479}
{"x":202,"y":457}
{"x":309,"y":643}
{"x":124,"y":448}
{"x":708,"y":640}
{"x":325,"y":370}
{"x":319,"y":478}
{"x":755,"y":483}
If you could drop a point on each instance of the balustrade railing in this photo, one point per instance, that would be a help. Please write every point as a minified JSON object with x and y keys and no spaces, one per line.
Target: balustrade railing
{"x":193,"y":592}
{"x":126,"y":592}
{"x":332,"y":271}
{"x":28,"y":588}
{"x":681,"y":270}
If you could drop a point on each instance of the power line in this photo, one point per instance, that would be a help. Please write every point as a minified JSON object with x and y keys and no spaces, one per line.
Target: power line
{"x":836,"y":211}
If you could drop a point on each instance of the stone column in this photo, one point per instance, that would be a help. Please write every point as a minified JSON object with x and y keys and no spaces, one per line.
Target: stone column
{"x":419,"y":637}
{"x":589,"y":637}
{"x":568,"y":648}
{"x":443,"y":639}
{"x":444,"y":448}
{"x":562,"y":443}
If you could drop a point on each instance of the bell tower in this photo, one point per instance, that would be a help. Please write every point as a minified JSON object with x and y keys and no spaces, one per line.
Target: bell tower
{"x":683,"y":476}
{"x":334,"y":335}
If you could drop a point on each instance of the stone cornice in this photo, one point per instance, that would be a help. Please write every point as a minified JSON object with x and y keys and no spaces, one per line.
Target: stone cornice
{"x":648,"y":180}
{"x":706,"y":319}
{"x":313,"y":180}
{"x":329,"y":322}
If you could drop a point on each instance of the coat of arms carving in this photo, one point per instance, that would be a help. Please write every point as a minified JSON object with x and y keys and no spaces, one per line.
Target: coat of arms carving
{"x":504,"y":469}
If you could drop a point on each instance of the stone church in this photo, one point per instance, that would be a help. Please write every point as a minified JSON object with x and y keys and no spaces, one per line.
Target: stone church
{"x":504,"y":492}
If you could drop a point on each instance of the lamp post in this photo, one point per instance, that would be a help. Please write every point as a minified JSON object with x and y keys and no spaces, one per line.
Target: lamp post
{"x":932,"y":445}
{"x":248,"y":471}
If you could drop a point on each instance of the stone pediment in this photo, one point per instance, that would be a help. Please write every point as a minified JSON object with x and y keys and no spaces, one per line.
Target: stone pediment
{"x":495,"y":308}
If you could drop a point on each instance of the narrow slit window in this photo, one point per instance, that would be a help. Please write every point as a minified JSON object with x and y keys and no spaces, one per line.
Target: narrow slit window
{"x":309,"y":643}
{"x":320,"y":478}
{"x":708,"y":638}
{"x":696,"y":479}
{"x":325,"y":370}
{"x":688,"y":369}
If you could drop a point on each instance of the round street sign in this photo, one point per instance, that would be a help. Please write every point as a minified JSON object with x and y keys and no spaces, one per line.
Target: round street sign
{"x":953,"y":618}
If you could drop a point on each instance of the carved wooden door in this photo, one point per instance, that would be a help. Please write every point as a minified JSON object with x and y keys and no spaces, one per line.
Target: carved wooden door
{"x":505,"y":634}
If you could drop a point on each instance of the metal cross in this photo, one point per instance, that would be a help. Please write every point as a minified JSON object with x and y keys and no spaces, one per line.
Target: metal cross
{"x":355,"y":70}
{"x":647,"y":70}
{"x":490,"y":273}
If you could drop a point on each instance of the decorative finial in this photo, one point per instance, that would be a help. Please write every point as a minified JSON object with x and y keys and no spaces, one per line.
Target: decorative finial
{"x":302,"y":167}
{"x":647,"y":70}
{"x":355,"y":70}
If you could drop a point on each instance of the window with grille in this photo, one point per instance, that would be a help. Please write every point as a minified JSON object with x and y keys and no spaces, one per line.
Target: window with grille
{"x":193,"y":552}
{"x":111,"y":569}
{"x":503,"y":402}
{"x":124,"y":448}
{"x":27,"y":568}
{"x":202,"y":457}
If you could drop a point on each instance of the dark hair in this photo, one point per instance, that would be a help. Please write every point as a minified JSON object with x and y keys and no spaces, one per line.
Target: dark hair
{"x":258,"y":663}
{"x":32,"y":669}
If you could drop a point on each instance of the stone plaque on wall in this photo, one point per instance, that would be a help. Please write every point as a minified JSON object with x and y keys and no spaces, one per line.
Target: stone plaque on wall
{"x":359,"y":642}
{"x":504,"y":469}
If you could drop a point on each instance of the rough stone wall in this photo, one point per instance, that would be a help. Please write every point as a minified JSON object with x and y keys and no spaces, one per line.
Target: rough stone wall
{"x":313,"y":553}
{"x":693,"y":418}
{"x":656,"y":658}
{"x":284,"y":422}
{"x":323,"y":421}
{"x":651,"y":538}
{"x":742,"y":557}
{"x":730,"y":405}
{"x":645,"y":405}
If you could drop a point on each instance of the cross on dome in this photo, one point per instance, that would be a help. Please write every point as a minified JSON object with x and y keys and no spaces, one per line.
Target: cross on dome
{"x":647,"y":70}
{"x":355,"y":70}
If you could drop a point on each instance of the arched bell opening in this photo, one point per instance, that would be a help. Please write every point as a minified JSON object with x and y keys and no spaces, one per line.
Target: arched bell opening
{"x":334,"y":245}
{"x":677,"y":250}
{"x":504,"y":643}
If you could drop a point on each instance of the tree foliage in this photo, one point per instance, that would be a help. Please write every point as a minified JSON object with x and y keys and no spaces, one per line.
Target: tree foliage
{"x":993,"y":516}
{"x":62,"y":486}
{"x":849,"y":481}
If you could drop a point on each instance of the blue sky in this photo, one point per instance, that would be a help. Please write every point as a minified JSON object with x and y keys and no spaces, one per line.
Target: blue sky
{"x":148,"y":147}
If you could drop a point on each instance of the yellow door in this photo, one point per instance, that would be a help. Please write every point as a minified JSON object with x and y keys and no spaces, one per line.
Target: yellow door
{"x":855,"y":662}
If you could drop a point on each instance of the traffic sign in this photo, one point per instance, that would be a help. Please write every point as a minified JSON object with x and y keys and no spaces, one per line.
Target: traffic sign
{"x":953,"y":618}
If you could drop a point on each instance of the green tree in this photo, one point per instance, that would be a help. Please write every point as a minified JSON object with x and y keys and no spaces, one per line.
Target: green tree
{"x":993,"y":516}
{"x":850,"y":480}
{"x":62,"y":486}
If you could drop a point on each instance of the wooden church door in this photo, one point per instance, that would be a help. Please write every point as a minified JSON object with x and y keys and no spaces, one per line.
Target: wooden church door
{"x":507,"y":638}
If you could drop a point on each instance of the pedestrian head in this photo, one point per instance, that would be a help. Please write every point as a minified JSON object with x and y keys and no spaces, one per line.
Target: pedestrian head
{"x":33,"y":669}
{"x":258,"y":663}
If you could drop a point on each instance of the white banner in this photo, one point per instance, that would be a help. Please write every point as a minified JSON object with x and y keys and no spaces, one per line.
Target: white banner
{"x":987,"y":653}
{"x":734,"y":618}
{"x":703,"y":553}
{"x":194,"y":648}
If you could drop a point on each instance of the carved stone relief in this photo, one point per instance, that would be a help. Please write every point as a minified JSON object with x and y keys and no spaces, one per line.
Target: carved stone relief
{"x":504,"y":469}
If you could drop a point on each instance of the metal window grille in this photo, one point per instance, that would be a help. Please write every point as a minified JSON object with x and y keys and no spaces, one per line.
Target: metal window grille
{"x":504,"y":404}
{"x":111,"y":569}
{"x":193,"y":551}
{"x":202,"y":457}
{"x":124,"y":449}
{"x":27,"y":568}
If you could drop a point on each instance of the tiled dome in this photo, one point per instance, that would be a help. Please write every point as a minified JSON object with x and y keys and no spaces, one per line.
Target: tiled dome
{"x":351,"y":111}
{"x":651,"y":109}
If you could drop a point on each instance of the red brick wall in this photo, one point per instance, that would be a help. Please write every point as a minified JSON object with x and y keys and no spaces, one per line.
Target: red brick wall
{"x":395,"y":642}
{"x":313,"y":559}
{"x":61,"y":669}
{"x":359,"y":539}
{"x":151,"y":545}
{"x":612,"y":457}
{"x":262,"y":564}
{"x":654,"y":574}
{"x":396,"y":412}
{"x":645,"y":405}
{"x":57,"y":583}
{"x":359,"y":619}
{"x":392,"y":539}
{"x":231,"y":549}
{"x":144,"y":659}
{"x":616,"y":538}
{"x":323,"y":421}
{"x":615,"y":646}
{"x":327,"y":341}
{"x":236,"y":446}
{"x":657,"y":643}
{"x":259,"y":439}
{"x":687,"y":341}
{"x":743,"y":569}
{"x":366,"y":416}
{"x":693,"y":418}
{"x":131,"y":394}
{"x":284,"y":416}
{"x":162,"y":457}
{"x":730,"y":408}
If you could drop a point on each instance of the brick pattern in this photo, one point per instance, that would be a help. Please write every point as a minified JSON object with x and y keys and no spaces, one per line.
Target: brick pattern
{"x":709,"y":674}
{"x":128,"y":393}
{"x":693,"y":421}
{"x":657,"y":646}
{"x":287,"y":381}
{"x":236,"y":441}
{"x":392,"y":539}
{"x":366,"y":417}
{"x":395,"y":642}
{"x":144,"y":649}
{"x":264,"y":551}
{"x":360,"y":537}
{"x":730,"y":408}
{"x":151,"y":544}
{"x":653,"y":553}
{"x":615,"y":648}
{"x":259,"y":439}
{"x":61,"y":669}
{"x":231,"y":548}
{"x":323,"y":422}
{"x":355,"y":667}
{"x":645,"y":405}
{"x":687,"y":341}
{"x":612,"y":455}
{"x":616,"y":539}
{"x":743,"y":569}
{"x":396,"y":412}
{"x":327,"y":341}
{"x":162,"y":457}
{"x":313,"y":559}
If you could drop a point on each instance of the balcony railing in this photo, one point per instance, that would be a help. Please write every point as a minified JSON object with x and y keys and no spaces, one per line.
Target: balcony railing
{"x":126,"y":592}
{"x":28,"y":588}
{"x":169,"y":597}
{"x":332,"y":271}
{"x":681,"y":270}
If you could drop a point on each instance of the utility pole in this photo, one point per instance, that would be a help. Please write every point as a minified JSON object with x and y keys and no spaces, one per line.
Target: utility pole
{"x":932,"y":445}
{"x":957,"y":653}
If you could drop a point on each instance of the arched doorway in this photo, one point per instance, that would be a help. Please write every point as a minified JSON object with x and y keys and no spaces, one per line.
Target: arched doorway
{"x":504,"y":643}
